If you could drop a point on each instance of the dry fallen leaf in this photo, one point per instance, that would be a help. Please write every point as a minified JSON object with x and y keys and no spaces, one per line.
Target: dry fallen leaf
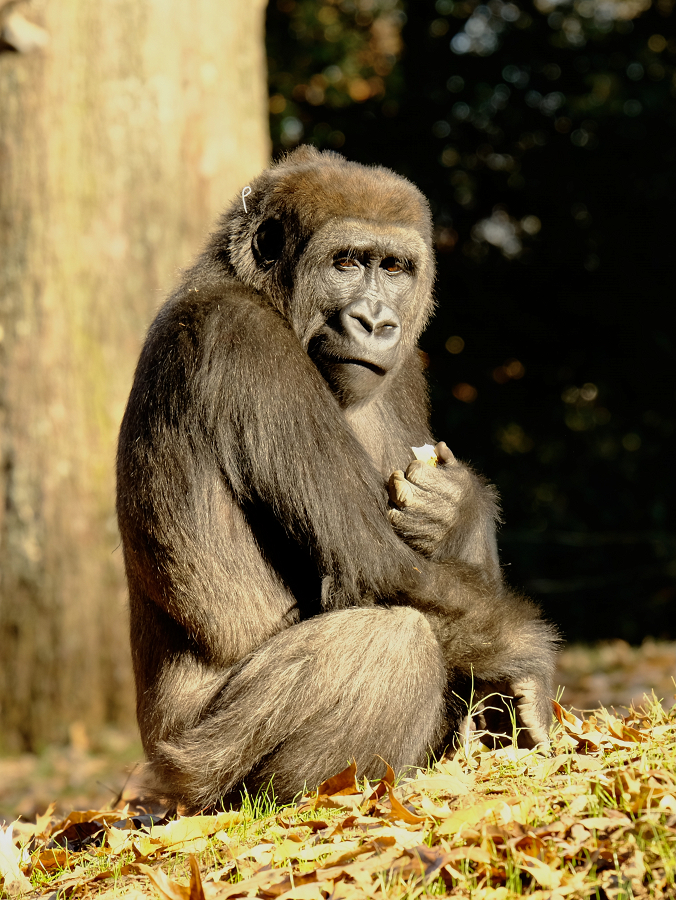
{"x":14,"y":881}
{"x":470,"y":816}
{"x":187,"y":833}
{"x":172,"y":890}
{"x":311,"y":891}
{"x":447,"y":785}
{"x":585,"y":732}
{"x":545,"y":875}
{"x":552,"y":828}
{"x":54,"y":859}
{"x":318,"y":850}
{"x":399,"y":811}
{"x":344,"y":782}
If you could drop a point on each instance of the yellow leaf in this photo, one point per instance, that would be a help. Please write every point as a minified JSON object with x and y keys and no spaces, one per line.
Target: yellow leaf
{"x":450,"y":785}
{"x":312,"y":891}
{"x":74,"y":875}
{"x":470,"y":816}
{"x":604,"y":823}
{"x":148,"y":847}
{"x":363,"y":869}
{"x":521,"y":811}
{"x":262,"y":853}
{"x":476,"y":854}
{"x":625,"y":732}
{"x":114,"y":894}
{"x":42,"y":822}
{"x":374,"y":846}
{"x":185,"y":833}
{"x":319,"y":850}
{"x":595,"y":740}
{"x":550,"y":766}
{"x":172,"y":890}
{"x":15,"y":880}
{"x":454,"y":767}
{"x":432,"y":809}
{"x":578,"y":804}
{"x":491,"y":893}
{"x":403,"y":837}
{"x":118,"y":840}
{"x":579,"y":833}
{"x":545,"y":876}
{"x":587,"y":763}
{"x":168,"y":890}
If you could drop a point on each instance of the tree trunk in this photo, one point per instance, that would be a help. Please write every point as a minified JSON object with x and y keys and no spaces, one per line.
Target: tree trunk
{"x":121,"y":139}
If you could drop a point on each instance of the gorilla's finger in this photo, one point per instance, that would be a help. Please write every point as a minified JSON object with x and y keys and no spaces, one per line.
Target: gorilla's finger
{"x":401,"y":491}
{"x":397,"y":518}
{"x":529,"y":702}
{"x":444,"y":454}
{"x":421,"y":474}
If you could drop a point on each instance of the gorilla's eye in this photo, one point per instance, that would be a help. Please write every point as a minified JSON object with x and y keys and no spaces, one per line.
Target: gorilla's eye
{"x":394,"y":266}
{"x":345,"y":262}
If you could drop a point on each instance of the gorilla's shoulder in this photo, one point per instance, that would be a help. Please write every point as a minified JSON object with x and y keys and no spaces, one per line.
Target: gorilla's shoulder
{"x":203,"y":307}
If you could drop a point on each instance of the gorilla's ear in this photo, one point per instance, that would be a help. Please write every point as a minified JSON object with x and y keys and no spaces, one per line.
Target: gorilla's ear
{"x":268,"y":243}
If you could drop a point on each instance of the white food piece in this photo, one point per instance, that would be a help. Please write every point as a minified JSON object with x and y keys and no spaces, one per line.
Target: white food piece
{"x":426,"y":454}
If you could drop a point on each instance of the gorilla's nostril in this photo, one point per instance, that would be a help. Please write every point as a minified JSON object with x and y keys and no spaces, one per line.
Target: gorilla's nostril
{"x":385,"y":332}
{"x":364,"y":322}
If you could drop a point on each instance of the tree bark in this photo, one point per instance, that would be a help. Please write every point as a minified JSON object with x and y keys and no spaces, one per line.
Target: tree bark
{"x":121,"y":139}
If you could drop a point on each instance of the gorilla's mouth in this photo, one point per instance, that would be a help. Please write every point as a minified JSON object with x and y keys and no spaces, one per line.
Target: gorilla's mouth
{"x":364,"y":364}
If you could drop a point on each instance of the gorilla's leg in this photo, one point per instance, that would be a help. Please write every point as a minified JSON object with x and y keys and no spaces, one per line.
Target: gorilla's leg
{"x":358,"y":683}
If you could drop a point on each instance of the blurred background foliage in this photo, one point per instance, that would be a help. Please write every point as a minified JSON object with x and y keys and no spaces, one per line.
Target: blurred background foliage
{"x":544,"y":135}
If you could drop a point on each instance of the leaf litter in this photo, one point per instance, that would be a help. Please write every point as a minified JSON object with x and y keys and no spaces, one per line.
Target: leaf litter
{"x":594,"y":816}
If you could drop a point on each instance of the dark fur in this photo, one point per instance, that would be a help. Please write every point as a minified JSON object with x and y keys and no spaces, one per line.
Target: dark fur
{"x":284,"y":619}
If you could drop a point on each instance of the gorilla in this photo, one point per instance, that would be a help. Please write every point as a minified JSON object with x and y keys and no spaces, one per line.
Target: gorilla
{"x":302,"y":591}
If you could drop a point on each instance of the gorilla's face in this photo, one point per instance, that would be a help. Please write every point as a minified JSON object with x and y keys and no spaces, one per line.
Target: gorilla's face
{"x":363,"y":287}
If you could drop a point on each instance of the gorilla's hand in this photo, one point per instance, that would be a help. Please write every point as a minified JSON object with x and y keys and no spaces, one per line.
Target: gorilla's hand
{"x":445,"y":511}
{"x":429,"y":500}
{"x":523,"y":704}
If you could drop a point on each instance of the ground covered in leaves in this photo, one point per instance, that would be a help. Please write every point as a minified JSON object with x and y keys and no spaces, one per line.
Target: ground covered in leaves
{"x":593,"y":817}
{"x":94,"y":772}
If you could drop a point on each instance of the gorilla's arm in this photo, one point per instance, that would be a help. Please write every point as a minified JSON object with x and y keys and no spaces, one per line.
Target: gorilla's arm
{"x":446,"y":512}
{"x":281,"y":442}
{"x":224,"y":385}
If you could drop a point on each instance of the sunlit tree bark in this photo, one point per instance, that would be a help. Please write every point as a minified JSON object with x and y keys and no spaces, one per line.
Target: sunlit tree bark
{"x":125,"y":127}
